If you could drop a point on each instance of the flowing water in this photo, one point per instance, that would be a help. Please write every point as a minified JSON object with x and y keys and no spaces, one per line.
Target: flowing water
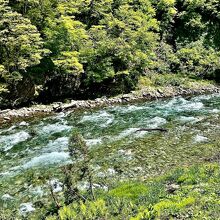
{"x":30,"y":150}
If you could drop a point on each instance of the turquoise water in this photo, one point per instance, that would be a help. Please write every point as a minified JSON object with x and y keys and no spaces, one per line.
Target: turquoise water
{"x":40,"y":145}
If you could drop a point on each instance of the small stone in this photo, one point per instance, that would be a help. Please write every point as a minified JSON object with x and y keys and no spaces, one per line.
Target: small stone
{"x":23,"y":123}
{"x":7,"y":197}
{"x":171,"y":188}
{"x":26,"y":207}
{"x":5,"y":111}
{"x":111,"y":171}
{"x":160,"y":91}
{"x":56,"y":185}
{"x":7,"y":118}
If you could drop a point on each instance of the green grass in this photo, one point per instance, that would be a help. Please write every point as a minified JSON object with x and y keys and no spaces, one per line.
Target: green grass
{"x":129,"y":191}
{"x":174,"y":80}
{"x":197,"y":197}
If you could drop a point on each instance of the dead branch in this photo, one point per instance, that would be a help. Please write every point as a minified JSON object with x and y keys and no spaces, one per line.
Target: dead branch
{"x":152,"y":129}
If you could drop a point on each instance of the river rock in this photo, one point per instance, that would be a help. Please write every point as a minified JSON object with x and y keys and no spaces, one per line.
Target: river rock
{"x":26,"y":208}
{"x":56,"y":185}
{"x":171,"y":188}
{"x":24,"y":123}
{"x":7,"y":197}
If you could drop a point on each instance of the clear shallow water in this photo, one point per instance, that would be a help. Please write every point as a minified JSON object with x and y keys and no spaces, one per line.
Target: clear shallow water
{"x":39,"y":144}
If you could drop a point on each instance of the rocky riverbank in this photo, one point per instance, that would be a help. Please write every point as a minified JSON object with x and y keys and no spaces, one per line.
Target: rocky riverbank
{"x":150,"y":93}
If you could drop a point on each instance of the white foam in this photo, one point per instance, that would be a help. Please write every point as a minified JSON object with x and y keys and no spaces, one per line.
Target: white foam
{"x":7,"y":173}
{"x":188,"y":119}
{"x":60,"y":115}
{"x":60,"y":144}
{"x":174,"y":102}
{"x":91,"y":142}
{"x":193,"y":106}
{"x":130,"y":108}
{"x":215,"y":110}
{"x":205,"y":97}
{"x":47,"y":159}
{"x":126,"y":154}
{"x":140,"y":134}
{"x":156,"y":122}
{"x":130,"y":132}
{"x":23,"y":123}
{"x":199,"y":138}
{"x":111,"y":171}
{"x":7,"y":197}
{"x":126,"y":133}
{"x":37,"y":191}
{"x":181,"y":104}
{"x":9,"y":141}
{"x":152,"y":123}
{"x":54,"y":128}
{"x":102,"y":118}
{"x":8,"y":129}
{"x":95,"y":116}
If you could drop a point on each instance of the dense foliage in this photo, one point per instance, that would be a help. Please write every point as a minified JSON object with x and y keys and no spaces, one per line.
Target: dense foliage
{"x":104,"y":42}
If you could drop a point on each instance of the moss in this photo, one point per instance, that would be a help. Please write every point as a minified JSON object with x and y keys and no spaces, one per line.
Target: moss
{"x":129,"y":190}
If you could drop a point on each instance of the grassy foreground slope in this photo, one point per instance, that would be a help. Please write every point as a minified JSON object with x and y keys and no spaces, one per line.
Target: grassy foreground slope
{"x":189,"y":190}
{"x":184,"y":193}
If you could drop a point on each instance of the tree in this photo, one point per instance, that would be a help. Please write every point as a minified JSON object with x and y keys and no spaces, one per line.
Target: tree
{"x":20,"y":43}
{"x":38,"y":11}
{"x":198,"y":60}
{"x":123,"y":40}
{"x":103,"y":39}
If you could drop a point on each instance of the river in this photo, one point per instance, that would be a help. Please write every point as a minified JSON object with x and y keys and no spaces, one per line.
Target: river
{"x":33,"y":151}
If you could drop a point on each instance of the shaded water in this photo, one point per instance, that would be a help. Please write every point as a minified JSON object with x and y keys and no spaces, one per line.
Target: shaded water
{"x":193,"y":135}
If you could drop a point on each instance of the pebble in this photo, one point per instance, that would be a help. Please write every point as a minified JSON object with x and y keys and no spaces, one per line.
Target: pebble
{"x":26,"y":207}
{"x":23,"y":123}
{"x":56,"y":185}
{"x":7,"y":197}
{"x":171,"y":188}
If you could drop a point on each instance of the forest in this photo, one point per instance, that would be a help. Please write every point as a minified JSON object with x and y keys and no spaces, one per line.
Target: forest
{"x":56,"y":49}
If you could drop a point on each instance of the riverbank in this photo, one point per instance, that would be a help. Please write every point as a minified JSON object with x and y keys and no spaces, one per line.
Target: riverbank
{"x":144,"y":94}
